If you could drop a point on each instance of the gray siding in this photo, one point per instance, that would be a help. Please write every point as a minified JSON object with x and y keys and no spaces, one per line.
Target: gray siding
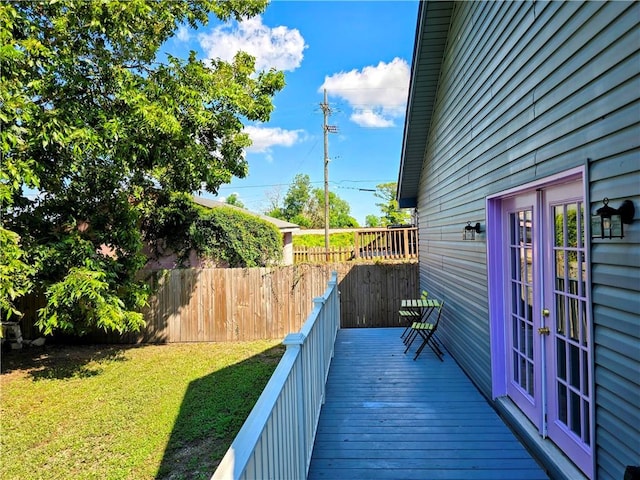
{"x":528,"y":90}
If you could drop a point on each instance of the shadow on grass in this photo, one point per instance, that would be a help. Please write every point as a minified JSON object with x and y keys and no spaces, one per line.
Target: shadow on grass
{"x":213,"y":410}
{"x":61,"y":361}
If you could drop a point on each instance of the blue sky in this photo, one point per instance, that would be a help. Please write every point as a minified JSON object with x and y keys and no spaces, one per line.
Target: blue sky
{"x":360,"y":51}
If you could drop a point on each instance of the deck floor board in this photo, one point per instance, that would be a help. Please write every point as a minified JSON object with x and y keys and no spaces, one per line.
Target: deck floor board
{"x":387,"y":416}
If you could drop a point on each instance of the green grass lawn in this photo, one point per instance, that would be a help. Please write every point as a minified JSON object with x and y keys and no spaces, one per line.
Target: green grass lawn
{"x":113,"y":412}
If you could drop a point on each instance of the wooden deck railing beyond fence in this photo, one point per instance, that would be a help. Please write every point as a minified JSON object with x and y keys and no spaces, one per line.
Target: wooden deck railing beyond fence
{"x":369,"y":244}
{"x":320,"y":254}
{"x":276,"y":441}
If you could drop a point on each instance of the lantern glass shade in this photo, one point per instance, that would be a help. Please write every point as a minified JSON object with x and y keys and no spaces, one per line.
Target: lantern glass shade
{"x":468,"y":233}
{"x":607,"y":222}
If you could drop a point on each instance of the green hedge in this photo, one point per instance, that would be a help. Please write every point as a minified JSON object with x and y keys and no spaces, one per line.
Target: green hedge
{"x":237,"y":238}
{"x":222,"y":234}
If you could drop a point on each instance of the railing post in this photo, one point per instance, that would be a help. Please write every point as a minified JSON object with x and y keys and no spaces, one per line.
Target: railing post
{"x":295,"y":341}
{"x":333,"y":283}
{"x":356,"y":243}
{"x":406,"y":243}
{"x":319,"y":303}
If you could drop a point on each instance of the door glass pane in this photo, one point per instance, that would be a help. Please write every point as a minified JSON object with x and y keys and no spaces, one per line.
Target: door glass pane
{"x":574,"y":322}
{"x":572,"y":225}
{"x":558,"y":225}
{"x":581,"y":224}
{"x":573,"y":272}
{"x":574,"y":366}
{"x":561,"y":353}
{"x":560,"y":270}
{"x":514,"y":298}
{"x":520,"y":235}
{"x":530,"y":378}
{"x":560,"y":314}
{"x":529,"y":268}
{"x":529,"y":342}
{"x":523,"y":264}
{"x":576,"y":424}
{"x":583,"y":277}
{"x":562,"y":403}
{"x":585,"y":372}
{"x":584,"y":330}
{"x":586,"y":422}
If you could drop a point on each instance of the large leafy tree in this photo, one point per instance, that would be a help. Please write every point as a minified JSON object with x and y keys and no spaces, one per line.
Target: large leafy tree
{"x":304,"y":206}
{"x":339,"y":211}
{"x":294,"y":207}
{"x":234,"y":200}
{"x":93,"y":120}
{"x":392,"y":214}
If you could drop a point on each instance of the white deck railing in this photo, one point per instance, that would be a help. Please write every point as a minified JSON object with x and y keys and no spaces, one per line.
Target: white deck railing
{"x":276,"y":440}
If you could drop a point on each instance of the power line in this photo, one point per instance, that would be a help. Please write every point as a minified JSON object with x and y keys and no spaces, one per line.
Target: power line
{"x":315,"y":182}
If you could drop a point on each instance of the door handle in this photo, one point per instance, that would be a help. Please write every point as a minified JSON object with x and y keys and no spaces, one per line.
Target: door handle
{"x":544,"y":330}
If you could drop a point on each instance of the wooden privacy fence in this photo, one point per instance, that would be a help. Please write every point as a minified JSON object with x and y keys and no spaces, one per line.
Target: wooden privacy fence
{"x":220,"y":305}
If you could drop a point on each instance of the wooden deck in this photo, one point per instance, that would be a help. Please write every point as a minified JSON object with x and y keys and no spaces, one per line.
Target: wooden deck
{"x":389,"y":417}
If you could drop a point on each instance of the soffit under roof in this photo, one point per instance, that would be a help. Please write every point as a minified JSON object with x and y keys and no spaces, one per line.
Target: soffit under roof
{"x":434,"y":18}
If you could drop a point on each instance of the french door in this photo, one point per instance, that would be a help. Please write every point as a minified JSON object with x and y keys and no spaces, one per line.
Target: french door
{"x":547,"y":319}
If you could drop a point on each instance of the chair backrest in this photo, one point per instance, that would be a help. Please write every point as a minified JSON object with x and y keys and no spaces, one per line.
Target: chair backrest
{"x":435,"y":324}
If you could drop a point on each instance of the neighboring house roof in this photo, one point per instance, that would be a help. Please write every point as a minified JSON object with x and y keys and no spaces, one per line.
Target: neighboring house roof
{"x":428,"y":52}
{"x":281,"y":224}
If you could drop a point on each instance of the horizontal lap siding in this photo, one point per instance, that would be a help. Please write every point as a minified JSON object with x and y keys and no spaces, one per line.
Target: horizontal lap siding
{"x":526,"y":91}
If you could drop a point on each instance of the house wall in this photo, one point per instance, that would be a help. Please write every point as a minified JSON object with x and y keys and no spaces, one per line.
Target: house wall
{"x":287,"y":248}
{"x":528,"y":90}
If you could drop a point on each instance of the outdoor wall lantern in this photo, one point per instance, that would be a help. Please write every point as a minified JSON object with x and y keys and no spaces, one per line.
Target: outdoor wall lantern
{"x":607,"y":222}
{"x":469,"y":231}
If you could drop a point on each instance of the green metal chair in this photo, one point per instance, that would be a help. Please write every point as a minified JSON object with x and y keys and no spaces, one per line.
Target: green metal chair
{"x":426,"y":331}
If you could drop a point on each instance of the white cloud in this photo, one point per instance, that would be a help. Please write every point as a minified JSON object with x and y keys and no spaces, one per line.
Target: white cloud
{"x":369,"y":118}
{"x":264,"y":138}
{"x":183,"y":34}
{"x":377,"y":94}
{"x":278,"y":47}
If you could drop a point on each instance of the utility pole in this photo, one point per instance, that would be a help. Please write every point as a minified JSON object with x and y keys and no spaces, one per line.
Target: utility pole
{"x":326,"y":130}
